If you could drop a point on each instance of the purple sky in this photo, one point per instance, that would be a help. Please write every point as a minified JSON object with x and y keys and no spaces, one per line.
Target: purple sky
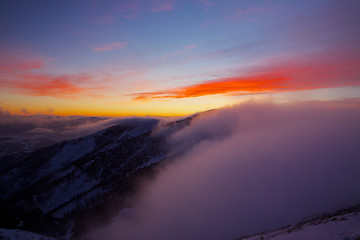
{"x":171,"y":57}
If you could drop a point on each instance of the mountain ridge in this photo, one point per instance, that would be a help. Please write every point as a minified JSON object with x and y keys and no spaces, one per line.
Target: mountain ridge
{"x":61,"y":182}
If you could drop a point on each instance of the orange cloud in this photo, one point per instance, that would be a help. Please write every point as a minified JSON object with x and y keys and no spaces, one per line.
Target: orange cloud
{"x":283,"y":77}
{"x":45,"y":85}
{"x":256,"y":84}
{"x":55,"y":86}
{"x":11,"y":64}
{"x":110,"y":46}
{"x":18,"y":75}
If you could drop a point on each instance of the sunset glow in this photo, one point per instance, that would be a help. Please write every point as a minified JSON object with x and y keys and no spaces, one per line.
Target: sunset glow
{"x":170,"y":57}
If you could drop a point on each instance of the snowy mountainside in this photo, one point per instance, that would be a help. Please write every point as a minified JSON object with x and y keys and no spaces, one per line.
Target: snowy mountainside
{"x":342,"y":225}
{"x":50,"y":188}
{"x":7,"y":234}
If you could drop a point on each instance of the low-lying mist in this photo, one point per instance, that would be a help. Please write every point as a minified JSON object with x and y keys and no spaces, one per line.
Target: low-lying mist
{"x":247,"y":169}
{"x":33,"y":132}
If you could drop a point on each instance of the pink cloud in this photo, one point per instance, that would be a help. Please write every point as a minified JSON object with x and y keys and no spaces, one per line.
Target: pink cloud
{"x":66,"y":86}
{"x":205,"y":2}
{"x":129,"y":10}
{"x":189,"y":47}
{"x":110,"y":46}
{"x":250,"y":11}
{"x":205,"y":25}
{"x":206,"y":5}
{"x":26,"y":76}
{"x":103,"y":19}
{"x":239,"y":12}
{"x":133,"y":9}
{"x":161,"y":5}
{"x":11,"y":64}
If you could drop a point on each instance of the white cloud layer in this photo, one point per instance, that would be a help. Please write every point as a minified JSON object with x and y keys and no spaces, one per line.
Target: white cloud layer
{"x":247,"y":169}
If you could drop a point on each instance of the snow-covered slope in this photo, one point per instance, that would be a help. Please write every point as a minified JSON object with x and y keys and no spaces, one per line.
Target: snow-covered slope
{"x":52,"y":186}
{"x":335,"y":227}
{"x":7,"y":234}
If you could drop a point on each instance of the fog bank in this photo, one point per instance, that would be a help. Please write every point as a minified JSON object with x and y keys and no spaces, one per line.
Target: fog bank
{"x":247,"y":169}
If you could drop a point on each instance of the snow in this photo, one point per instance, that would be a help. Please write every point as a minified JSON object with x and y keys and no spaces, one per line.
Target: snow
{"x":64,"y":192}
{"x":129,"y":134}
{"x":7,"y":234}
{"x":125,"y":213}
{"x":78,"y":204}
{"x":151,"y":161}
{"x":344,"y":227}
{"x":72,"y":152}
{"x":142,"y":128}
{"x":116,"y":142}
{"x":69,"y":232}
{"x":62,"y":212}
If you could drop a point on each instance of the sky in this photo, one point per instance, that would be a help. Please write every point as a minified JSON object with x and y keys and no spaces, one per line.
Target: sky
{"x":172,"y":57}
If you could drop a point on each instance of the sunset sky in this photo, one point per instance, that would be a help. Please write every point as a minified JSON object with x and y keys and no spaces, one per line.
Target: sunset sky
{"x":174,"y":57}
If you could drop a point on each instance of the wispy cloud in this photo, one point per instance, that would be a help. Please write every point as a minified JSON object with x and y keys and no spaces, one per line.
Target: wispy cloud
{"x":134,"y":9}
{"x":205,"y":24}
{"x":185,"y":49}
{"x":67,"y":86}
{"x":129,"y":10}
{"x":48,"y":85}
{"x":27,"y":76}
{"x":162,"y":5}
{"x":10,"y":64}
{"x":103,"y":19}
{"x":206,"y":5}
{"x":205,"y":2}
{"x":110,"y":46}
{"x":189,"y":47}
{"x":250,"y":11}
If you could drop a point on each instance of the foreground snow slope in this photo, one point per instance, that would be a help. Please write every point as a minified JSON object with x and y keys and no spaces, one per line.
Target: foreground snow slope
{"x":340,"y":227}
{"x":7,"y":234}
